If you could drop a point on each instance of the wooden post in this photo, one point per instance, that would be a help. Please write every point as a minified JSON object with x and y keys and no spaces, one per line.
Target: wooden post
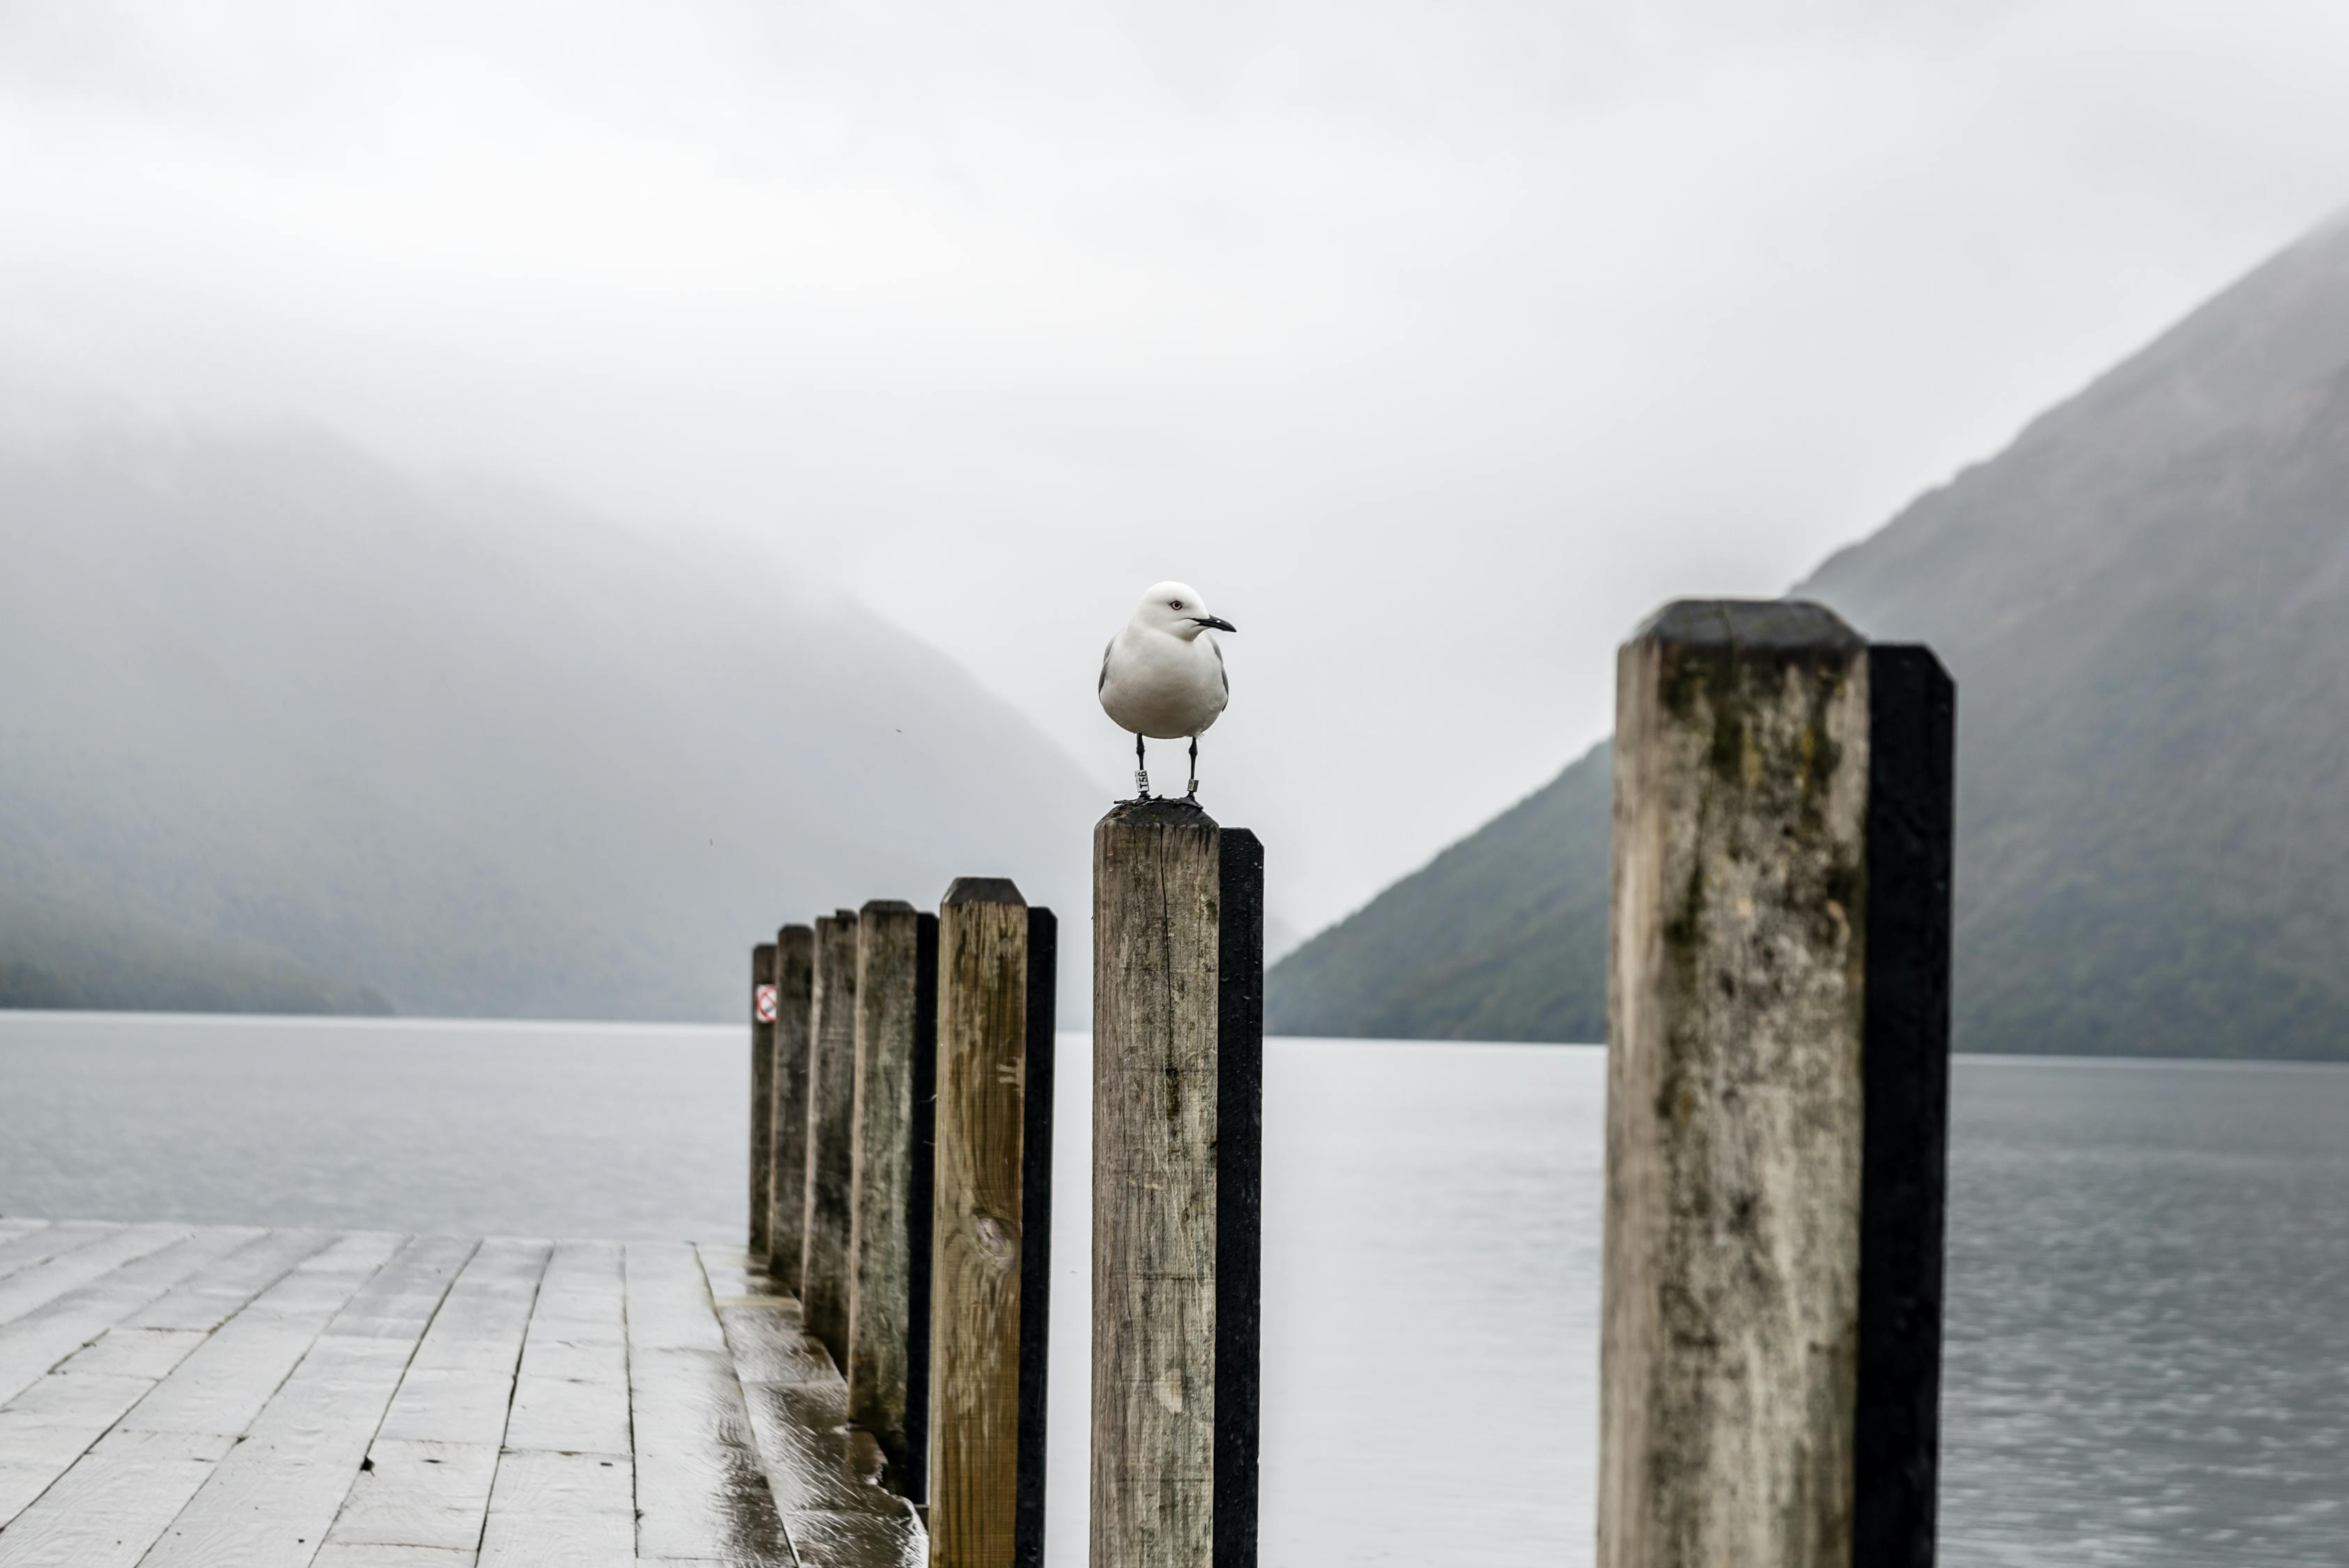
{"x":830,"y":1121}
{"x":794,"y":996}
{"x":993,"y":1230}
{"x":887,"y":1366}
{"x":1178,"y":1012}
{"x":762,"y":1088}
{"x":1777,"y":1086}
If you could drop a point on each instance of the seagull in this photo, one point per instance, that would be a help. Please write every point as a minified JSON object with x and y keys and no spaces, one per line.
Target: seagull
{"x":1163,"y":677}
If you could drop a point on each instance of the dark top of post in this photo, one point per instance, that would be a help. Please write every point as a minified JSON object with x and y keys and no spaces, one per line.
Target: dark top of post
{"x":1749,"y":623}
{"x":984,"y":890}
{"x":1162,"y":812}
{"x":887,"y":906}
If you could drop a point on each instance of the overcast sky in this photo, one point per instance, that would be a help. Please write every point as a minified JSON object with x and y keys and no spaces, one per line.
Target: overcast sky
{"x":1435,"y":343}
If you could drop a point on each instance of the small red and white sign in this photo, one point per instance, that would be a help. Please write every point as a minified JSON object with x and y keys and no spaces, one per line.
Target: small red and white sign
{"x":762,"y":1005}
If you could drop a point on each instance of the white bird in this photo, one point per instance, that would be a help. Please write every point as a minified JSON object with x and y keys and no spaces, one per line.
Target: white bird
{"x":1163,"y":677}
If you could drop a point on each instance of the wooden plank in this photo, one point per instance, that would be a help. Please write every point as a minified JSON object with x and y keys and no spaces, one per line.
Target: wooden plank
{"x":40,"y":1244}
{"x":552,"y":1510}
{"x":430,"y":1467}
{"x":417,"y":1494}
{"x":460,"y":1385}
{"x":888,"y":1232}
{"x":37,"y":1286}
{"x":794,"y":998}
{"x":109,"y":1508}
{"x":1156,"y":869}
{"x":701,"y":1491}
{"x":802,"y":1432}
{"x":271,"y":1501}
{"x":217,"y":1294}
{"x":763,"y":1095}
{"x":832,"y":1106}
{"x":859,"y":1540}
{"x":223,"y":1385}
{"x":571,"y":1392}
{"x":978,"y":1225}
{"x":49,"y":1426}
{"x":335,"y":1555}
{"x":65,"y":1325}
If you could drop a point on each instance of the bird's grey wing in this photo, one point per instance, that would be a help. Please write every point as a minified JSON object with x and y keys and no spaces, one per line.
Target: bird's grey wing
{"x":1102,"y":684}
{"x":1220,"y":670}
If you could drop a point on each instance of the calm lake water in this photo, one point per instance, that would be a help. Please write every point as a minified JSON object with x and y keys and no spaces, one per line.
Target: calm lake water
{"x":2148,"y":1356}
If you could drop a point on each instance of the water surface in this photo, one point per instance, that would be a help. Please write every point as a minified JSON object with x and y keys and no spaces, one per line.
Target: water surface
{"x":2148,"y":1335}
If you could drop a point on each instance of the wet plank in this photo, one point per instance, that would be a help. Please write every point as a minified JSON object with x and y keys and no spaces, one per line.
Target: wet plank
{"x":269,"y":1503}
{"x":701,"y":1491}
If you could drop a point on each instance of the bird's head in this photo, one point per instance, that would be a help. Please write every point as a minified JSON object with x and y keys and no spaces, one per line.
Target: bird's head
{"x":1175,"y":610}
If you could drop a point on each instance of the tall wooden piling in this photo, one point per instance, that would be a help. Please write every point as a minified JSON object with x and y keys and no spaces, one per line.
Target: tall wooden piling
{"x":1177,"y":1081}
{"x":787,"y":1207}
{"x":993,"y":1227}
{"x":831,"y":1124}
{"x":1777,"y":1083}
{"x":887,"y":1364}
{"x":762,"y":1090}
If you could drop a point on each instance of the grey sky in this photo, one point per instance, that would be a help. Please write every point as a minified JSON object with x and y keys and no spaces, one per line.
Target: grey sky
{"x":1434,"y":343}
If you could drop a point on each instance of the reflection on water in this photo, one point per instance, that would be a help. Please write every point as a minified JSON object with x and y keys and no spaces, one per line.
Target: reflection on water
{"x":2149,"y":1357}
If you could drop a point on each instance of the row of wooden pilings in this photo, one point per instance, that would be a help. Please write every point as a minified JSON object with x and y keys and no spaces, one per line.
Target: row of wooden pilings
{"x":1776,"y":1133}
{"x":901,"y":1158}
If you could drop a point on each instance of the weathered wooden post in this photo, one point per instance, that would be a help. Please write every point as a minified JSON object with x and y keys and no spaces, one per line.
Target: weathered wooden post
{"x":762,"y":1089}
{"x":1178,"y":1057}
{"x":1777,"y":1086}
{"x":887,"y":1366}
{"x":794,"y":996}
{"x":830,"y":1121}
{"x":992,"y":1241}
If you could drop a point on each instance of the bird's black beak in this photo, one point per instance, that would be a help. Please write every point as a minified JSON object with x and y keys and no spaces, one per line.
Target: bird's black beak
{"x":1213,"y":623}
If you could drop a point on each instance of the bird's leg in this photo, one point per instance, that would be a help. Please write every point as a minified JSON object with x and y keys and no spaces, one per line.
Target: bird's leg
{"x":1193,"y":792}
{"x":1141,"y":769}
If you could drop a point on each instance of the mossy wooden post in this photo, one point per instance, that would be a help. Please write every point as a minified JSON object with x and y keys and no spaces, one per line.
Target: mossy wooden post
{"x":831,"y":1118}
{"x":762,"y":1089}
{"x":1777,"y":1090}
{"x":887,"y":1366}
{"x":1178,"y":1045}
{"x":787,"y":1221}
{"x":993,"y":1231}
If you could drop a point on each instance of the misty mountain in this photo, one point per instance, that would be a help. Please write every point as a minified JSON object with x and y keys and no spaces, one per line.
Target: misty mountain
{"x":284,"y":729}
{"x":2145,"y":602}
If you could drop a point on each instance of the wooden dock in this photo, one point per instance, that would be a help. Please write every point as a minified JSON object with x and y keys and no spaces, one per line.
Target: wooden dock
{"x":198,"y":1397}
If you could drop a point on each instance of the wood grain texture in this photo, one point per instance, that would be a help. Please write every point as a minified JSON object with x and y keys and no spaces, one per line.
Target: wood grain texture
{"x":271,"y":1501}
{"x":1155,"y":1002}
{"x":787,"y":1185}
{"x":553,"y":1509}
{"x":1734,"y":1091}
{"x":701,"y":1491}
{"x":108,"y":1509}
{"x":891,"y":1032}
{"x":831,"y":1123}
{"x":763,"y":1099}
{"x":979,"y":1225}
{"x":66,"y":1325}
{"x":570,"y":1389}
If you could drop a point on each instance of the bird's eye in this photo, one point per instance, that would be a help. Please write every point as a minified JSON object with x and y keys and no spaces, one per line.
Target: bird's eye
{"x":1173,"y":604}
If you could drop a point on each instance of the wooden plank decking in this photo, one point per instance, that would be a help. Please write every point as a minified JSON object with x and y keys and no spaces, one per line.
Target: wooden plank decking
{"x":185,"y":1397}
